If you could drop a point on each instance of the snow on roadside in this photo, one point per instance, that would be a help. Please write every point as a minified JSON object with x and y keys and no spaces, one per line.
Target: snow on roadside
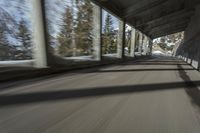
{"x":16,"y":63}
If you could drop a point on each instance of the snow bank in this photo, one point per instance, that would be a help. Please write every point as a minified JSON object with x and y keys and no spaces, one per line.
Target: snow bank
{"x":157,"y":52}
{"x":17,"y":63}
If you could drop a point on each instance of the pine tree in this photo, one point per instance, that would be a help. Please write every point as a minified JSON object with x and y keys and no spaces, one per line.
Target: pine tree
{"x":7,"y":23}
{"x":24,"y":36}
{"x":77,"y":29}
{"x":7,"y":28}
{"x":3,"y":38}
{"x":64,"y":37}
{"x":84,"y":26}
{"x":4,"y":45}
{"x":109,"y":42}
{"x":108,"y":28}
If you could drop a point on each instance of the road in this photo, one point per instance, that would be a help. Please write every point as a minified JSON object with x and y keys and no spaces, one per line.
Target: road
{"x":157,"y":95}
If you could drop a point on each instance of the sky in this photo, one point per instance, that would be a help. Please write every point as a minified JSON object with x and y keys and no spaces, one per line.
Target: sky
{"x":115,"y":19}
{"x":19,"y":10}
{"x":54,"y":8}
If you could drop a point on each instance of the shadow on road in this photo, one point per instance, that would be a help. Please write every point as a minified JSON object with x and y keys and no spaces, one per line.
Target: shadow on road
{"x":191,"y":87}
{"x":25,"y":98}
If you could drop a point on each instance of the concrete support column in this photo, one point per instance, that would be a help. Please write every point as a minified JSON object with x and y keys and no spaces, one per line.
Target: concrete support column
{"x":140,"y":43}
{"x":97,"y":32}
{"x":150,"y":46}
{"x":120,"y":39}
{"x":145,"y":44}
{"x":198,"y":58}
{"x":185,"y":59}
{"x":40,"y":47}
{"x":191,"y":60}
{"x":133,"y":41}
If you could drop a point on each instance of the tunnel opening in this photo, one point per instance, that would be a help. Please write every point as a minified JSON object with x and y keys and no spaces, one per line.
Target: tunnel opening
{"x":167,"y":45}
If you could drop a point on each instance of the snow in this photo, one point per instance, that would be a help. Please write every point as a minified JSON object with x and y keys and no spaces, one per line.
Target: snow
{"x":170,"y":44}
{"x":80,"y":58}
{"x":138,"y":54}
{"x":128,"y":27}
{"x":16,"y":63}
{"x":111,"y":55}
{"x":157,"y":52}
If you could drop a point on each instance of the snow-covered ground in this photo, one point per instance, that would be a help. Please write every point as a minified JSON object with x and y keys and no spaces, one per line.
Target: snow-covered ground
{"x":27,"y":63}
{"x":111,"y":55}
{"x":89,"y":57}
{"x":157,"y":52}
{"x":81,"y":58}
{"x":138,"y":54}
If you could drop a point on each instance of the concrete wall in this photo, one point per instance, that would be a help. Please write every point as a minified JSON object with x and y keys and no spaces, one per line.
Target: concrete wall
{"x":194,"y":25}
{"x":190,"y":48}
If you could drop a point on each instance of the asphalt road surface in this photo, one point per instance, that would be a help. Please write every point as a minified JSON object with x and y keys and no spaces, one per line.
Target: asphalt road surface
{"x":157,"y":95}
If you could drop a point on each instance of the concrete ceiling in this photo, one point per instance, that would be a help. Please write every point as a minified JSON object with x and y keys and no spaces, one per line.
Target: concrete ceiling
{"x":154,"y":18}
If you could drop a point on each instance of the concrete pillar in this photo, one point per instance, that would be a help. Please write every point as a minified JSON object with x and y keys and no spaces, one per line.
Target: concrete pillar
{"x":120,"y":39}
{"x":185,"y":59}
{"x":40,"y":47}
{"x":133,"y":37}
{"x":145,"y":44}
{"x":140,"y":43}
{"x":97,"y":32}
{"x":198,"y":58}
{"x":150,"y":46}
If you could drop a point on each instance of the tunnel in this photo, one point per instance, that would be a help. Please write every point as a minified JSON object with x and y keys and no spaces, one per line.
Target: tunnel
{"x":90,"y":66}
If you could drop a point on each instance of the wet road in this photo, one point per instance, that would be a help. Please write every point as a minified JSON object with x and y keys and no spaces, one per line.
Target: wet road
{"x":158,"y":95}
